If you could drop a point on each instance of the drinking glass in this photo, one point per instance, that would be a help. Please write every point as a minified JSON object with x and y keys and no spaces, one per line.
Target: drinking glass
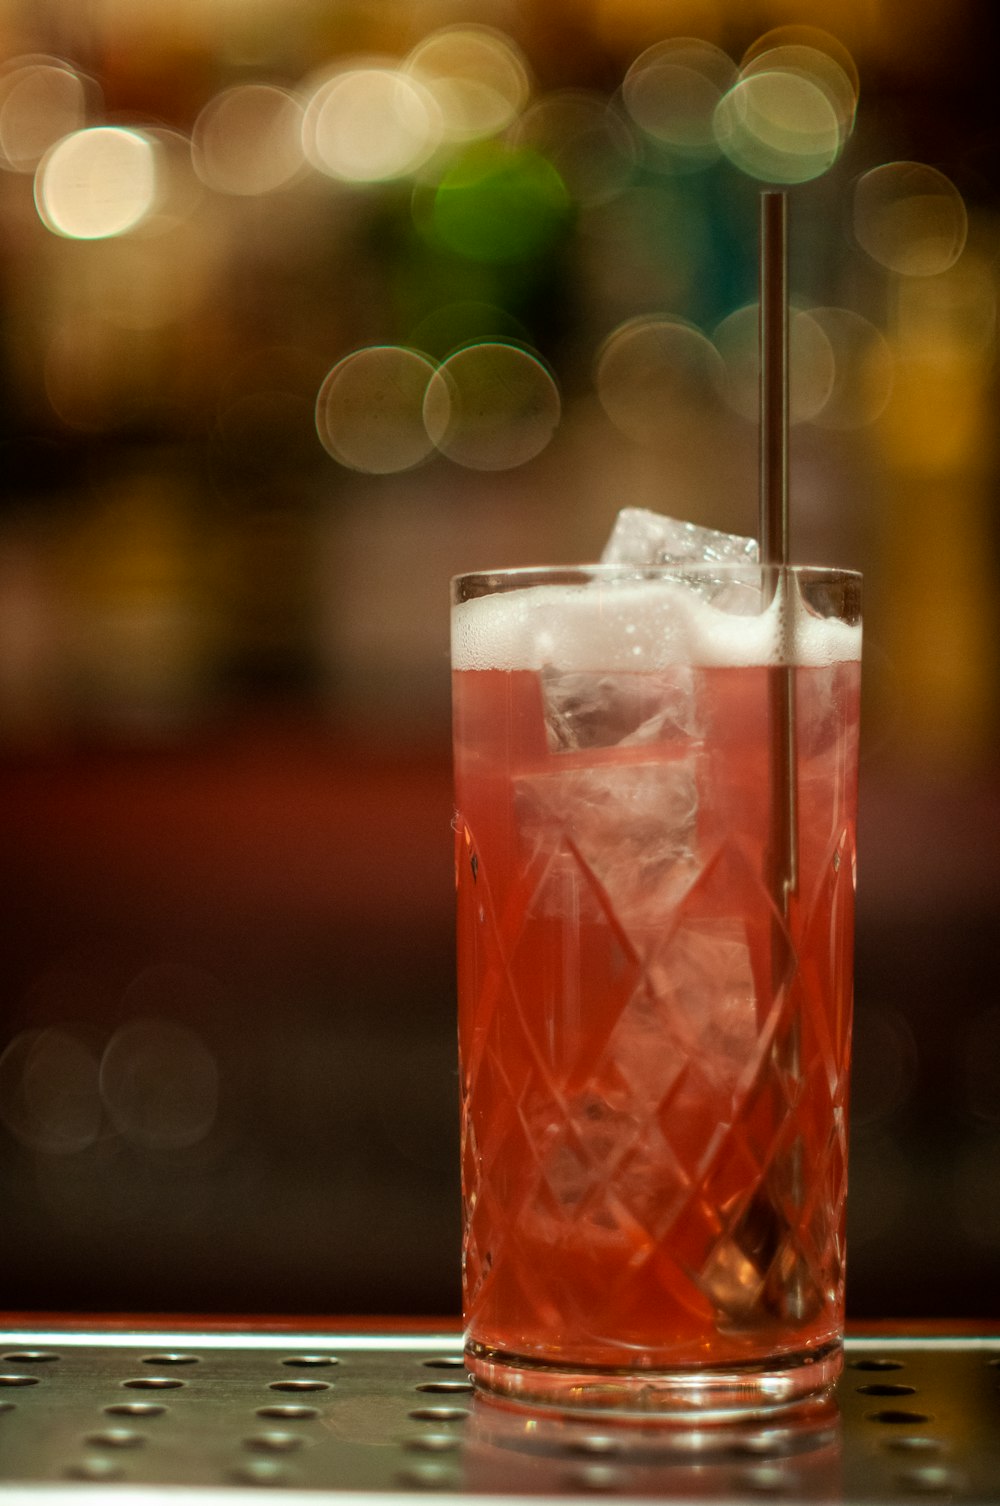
{"x":655,"y":781}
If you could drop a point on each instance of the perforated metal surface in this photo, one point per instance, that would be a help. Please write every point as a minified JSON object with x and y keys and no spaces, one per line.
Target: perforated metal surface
{"x":383,"y":1415}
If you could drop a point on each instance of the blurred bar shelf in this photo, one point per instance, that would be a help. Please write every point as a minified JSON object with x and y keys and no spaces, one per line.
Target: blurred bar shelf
{"x":375,"y":1411}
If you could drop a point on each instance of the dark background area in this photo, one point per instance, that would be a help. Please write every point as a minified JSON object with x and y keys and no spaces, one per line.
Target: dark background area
{"x":227,"y":1074}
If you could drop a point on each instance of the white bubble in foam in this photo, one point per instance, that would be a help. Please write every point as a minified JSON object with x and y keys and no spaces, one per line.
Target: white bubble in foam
{"x":635,"y":625}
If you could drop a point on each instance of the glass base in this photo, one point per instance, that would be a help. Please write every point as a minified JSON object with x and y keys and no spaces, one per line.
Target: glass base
{"x":776,"y":1386}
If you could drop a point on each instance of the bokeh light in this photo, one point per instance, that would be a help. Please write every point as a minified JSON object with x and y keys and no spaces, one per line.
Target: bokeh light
{"x":477,"y":76}
{"x":950,"y":317}
{"x":97,"y":182}
{"x":370,"y":124}
{"x":248,"y":139}
{"x":863,"y":369}
{"x":492,"y":407}
{"x":817,"y":55}
{"x":590,"y":144}
{"x":369,"y":412}
{"x":778,"y":123}
{"x":159,"y":1084}
{"x":910,"y":218}
{"x":811,"y":365}
{"x":464,"y":322}
{"x":49,"y":1097}
{"x":41,"y":100}
{"x":496,"y":203}
{"x":654,"y":372}
{"x":672,"y":91}
{"x":179,"y":190}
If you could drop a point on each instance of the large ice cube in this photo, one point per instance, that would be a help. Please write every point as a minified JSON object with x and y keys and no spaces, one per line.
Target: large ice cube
{"x":627,"y":829}
{"x":638,"y":1132}
{"x":611,"y":711}
{"x":705,"y":976}
{"x":641,"y":537}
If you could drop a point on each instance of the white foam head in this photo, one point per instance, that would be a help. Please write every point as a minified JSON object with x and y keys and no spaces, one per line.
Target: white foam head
{"x":638,"y":625}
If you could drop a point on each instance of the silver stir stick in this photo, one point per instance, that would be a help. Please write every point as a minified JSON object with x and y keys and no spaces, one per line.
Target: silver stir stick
{"x":783,"y":841}
{"x":783,"y":858}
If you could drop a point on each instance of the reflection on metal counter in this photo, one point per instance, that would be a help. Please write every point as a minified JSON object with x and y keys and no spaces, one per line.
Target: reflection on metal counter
{"x":387,"y":1413}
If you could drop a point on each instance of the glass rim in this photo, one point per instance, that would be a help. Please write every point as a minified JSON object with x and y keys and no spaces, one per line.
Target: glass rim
{"x":471,"y":583}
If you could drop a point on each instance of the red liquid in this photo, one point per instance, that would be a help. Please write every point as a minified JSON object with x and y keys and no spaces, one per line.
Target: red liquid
{"x":654,"y":1063}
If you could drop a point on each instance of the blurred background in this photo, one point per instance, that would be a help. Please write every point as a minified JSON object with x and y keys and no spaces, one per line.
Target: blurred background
{"x":306,"y":305}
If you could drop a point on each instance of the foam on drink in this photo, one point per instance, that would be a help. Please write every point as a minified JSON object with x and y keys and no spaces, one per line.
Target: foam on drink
{"x":634,"y":625}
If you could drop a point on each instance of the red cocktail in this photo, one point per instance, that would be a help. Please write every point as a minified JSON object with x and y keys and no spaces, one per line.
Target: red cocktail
{"x":654,"y":1037}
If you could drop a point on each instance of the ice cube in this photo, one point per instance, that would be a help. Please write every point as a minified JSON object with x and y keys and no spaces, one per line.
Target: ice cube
{"x":705,"y":976}
{"x":756,"y":1272}
{"x":625,"y":828}
{"x":641,"y":537}
{"x":609,"y":711}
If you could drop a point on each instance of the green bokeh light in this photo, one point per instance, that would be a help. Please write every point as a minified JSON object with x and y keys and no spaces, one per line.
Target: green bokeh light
{"x":495,"y":204}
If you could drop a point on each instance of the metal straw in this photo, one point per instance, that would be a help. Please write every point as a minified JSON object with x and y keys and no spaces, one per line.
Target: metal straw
{"x":783,"y":864}
{"x":782,"y":858}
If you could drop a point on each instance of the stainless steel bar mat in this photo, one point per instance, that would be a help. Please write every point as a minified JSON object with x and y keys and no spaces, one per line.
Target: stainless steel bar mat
{"x":143,"y":1415}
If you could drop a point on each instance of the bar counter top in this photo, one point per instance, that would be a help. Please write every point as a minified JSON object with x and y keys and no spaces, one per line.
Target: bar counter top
{"x":374,"y":1410}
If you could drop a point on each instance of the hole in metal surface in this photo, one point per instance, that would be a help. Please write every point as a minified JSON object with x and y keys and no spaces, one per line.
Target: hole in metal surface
{"x":929,"y":1478}
{"x":914,"y":1443}
{"x":154,"y":1383}
{"x":6,"y":1406}
{"x":897,"y":1417}
{"x":439,"y":1414}
{"x":594,"y":1443}
{"x":300,"y":1385}
{"x":288,"y":1413}
{"x":136,"y":1409}
{"x":260,"y":1472}
{"x":18,"y":1380}
{"x":305,"y":1361}
{"x":274,"y":1442}
{"x":886,"y":1388}
{"x":875,"y":1362}
{"x":428,"y":1477}
{"x":171,"y":1357}
{"x":95,"y":1469}
{"x":445,"y":1362}
{"x":771,"y":1444}
{"x":30,"y":1356}
{"x":446,"y":1386}
{"x":434,"y":1443}
{"x":767,"y":1479}
{"x":596,"y":1477}
{"x":116,"y":1438}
